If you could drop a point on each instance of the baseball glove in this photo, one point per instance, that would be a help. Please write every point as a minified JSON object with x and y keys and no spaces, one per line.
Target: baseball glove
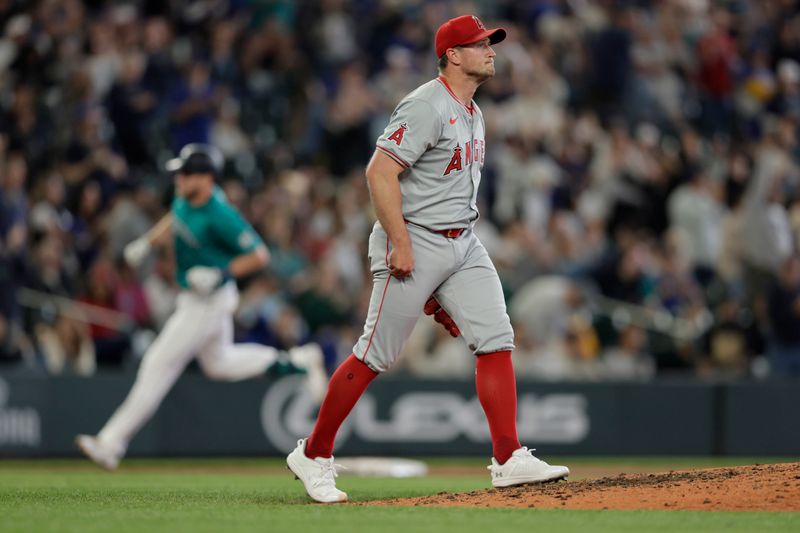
{"x":432,"y":307}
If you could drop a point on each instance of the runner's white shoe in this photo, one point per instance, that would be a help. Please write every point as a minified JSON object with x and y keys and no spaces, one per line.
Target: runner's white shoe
{"x":97,"y":452}
{"x":318,"y":475}
{"x":522,"y":467}
{"x":309,"y":357}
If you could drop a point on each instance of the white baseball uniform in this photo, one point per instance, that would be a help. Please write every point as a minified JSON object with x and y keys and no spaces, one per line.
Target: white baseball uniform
{"x":210,"y":235}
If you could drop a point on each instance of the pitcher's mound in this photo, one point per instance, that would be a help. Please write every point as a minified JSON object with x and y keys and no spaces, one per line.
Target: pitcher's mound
{"x":774,"y":487}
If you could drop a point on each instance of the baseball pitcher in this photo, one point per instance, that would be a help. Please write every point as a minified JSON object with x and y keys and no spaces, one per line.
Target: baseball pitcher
{"x":213,"y":247}
{"x":423,"y":254}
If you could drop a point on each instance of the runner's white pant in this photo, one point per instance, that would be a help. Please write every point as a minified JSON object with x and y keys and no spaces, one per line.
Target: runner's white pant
{"x":201,"y":326}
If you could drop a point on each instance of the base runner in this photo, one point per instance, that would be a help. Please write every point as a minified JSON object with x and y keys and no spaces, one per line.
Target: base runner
{"x":213,"y":247}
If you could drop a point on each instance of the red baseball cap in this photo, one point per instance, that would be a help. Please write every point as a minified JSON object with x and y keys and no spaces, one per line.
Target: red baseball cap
{"x":466,"y":29}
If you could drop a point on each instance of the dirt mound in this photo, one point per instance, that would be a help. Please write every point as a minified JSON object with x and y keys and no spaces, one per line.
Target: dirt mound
{"x":774,"y":487}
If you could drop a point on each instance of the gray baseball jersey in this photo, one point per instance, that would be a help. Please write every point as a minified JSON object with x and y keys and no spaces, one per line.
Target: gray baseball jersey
{"x":440,"y":143}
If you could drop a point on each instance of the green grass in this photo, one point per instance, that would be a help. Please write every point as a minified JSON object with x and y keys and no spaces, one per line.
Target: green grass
{"x":188,"y":463}
{"x":252,"y":494}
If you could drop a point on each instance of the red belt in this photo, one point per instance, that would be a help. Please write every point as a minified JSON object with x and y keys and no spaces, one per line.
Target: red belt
{"x":451,"y":233}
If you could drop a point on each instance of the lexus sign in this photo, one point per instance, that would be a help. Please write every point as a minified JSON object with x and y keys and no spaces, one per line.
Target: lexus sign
{"x":414,"y":416}
{"x":19,"y":426}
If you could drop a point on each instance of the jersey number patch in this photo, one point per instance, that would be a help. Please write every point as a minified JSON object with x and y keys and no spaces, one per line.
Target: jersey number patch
{"x":397,"y":136}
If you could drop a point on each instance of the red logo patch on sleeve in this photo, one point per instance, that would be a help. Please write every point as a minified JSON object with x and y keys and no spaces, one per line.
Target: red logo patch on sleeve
{"x":397,"y":136}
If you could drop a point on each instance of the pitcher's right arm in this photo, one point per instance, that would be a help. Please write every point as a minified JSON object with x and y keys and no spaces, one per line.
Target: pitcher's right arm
{"x":383,"y":178}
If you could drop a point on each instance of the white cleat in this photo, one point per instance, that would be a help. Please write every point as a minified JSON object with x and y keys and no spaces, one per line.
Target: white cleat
{"x":309,"y":357}
{"x":522,"y":468}
{"x":318,"y":475}
{"x":97,"y":452}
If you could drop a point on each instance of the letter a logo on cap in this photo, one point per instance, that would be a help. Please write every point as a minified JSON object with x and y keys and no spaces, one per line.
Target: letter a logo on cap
{"x":466,"y":29}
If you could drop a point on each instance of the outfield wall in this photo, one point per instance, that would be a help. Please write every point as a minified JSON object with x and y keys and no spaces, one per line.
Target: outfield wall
{"x":40,"y":417}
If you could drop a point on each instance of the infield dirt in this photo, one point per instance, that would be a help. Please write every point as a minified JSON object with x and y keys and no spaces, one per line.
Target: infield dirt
{"x":774,"y":487}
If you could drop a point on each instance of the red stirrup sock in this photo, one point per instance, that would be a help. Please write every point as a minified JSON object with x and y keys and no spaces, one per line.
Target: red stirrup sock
{"x":346,"y":386}
{"x":497,"y":392}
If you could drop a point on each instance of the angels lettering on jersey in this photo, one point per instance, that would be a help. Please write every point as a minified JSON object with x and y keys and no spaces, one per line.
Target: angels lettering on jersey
{"x":472,"y":154}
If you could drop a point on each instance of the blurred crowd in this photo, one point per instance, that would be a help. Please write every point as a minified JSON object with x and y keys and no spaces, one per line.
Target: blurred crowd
{"x":640,"y":194}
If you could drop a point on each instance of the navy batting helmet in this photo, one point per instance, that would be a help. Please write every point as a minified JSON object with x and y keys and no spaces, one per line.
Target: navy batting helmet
{"x":197,"y":158}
